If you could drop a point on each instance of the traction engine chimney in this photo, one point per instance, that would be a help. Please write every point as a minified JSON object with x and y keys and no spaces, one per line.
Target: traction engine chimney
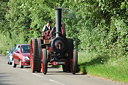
{"x":58,"y":21}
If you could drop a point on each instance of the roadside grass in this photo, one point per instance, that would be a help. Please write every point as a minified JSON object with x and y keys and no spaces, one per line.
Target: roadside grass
{"x":114,"y":68}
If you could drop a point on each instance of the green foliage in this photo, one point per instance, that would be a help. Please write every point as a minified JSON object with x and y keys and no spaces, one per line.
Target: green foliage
{"x":113,"y":67}
{"x":6,"y":42}
{"x":3,"y":11}
{"x":97,"y":25}
{"x":94,"y":25}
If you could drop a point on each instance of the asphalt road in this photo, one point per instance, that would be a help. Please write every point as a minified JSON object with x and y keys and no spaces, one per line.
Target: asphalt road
{"x":55,"y":76}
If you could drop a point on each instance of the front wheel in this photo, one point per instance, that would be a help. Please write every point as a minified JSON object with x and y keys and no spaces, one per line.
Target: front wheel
{"x":10,"y":63}
{"x":13,"y":64}
{"x":44,"y":61}
{"x":64,"y":67}
{"x":20,"y":64}
{"x":74,"y":61}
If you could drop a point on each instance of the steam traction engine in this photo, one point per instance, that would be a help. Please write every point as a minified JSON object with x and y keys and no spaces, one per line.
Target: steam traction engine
{"x":56,"y":51}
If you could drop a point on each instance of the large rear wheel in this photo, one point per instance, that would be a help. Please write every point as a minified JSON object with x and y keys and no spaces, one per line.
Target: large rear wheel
{"x":33,"y":49}
{"x":68,"y":67}
{"x":74,"y":61}
{"x":44,"y":61}
{"x":39,"y":55}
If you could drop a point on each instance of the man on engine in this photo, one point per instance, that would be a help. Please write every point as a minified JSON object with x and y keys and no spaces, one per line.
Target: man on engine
{"x":47,"y":27}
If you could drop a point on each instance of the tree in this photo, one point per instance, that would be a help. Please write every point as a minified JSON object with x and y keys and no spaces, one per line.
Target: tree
{"x":3,"y":11}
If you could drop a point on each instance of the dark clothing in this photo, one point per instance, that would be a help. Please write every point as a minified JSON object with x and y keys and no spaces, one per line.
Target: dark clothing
{"x":53,"y":33}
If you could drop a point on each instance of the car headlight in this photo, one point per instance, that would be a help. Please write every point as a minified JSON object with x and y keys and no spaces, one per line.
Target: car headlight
{"x":25,"y":58}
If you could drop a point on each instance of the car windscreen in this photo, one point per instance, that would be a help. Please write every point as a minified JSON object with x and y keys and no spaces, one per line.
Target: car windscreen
{"x":25,"y":49}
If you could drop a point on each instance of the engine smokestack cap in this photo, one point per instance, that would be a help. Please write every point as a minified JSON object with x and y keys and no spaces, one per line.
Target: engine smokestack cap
{"x":58,"y":8}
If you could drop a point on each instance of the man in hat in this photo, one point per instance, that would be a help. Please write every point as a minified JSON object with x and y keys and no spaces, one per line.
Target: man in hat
{"x":47,"y":27}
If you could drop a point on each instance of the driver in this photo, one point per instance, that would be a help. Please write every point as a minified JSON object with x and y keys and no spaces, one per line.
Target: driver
{"x":47,"y":27}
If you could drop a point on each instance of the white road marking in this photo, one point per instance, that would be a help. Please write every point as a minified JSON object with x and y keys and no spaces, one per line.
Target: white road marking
{"x":43,"y":77}
{"x":55,"y":82}
{"x":38,"y":75}
{"x":24,"y":70}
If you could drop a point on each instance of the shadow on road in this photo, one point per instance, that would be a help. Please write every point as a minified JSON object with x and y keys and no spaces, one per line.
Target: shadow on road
{"x":61,"y":73}
{"x":4,"y":79}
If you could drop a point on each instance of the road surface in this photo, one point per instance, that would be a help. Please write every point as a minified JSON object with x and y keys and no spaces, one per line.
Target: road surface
{"x":55,"y":76}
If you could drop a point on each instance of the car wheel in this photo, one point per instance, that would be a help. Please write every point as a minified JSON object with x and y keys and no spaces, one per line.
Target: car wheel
{"x":10,"y":63}
{"x":20,"y":64}
{"x":13,"y":64}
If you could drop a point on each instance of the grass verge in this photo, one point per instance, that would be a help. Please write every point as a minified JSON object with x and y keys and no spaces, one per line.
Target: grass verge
{"x":114,"y":68}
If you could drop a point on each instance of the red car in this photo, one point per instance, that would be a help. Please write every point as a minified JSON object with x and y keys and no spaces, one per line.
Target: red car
{"x":21,"y":55}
